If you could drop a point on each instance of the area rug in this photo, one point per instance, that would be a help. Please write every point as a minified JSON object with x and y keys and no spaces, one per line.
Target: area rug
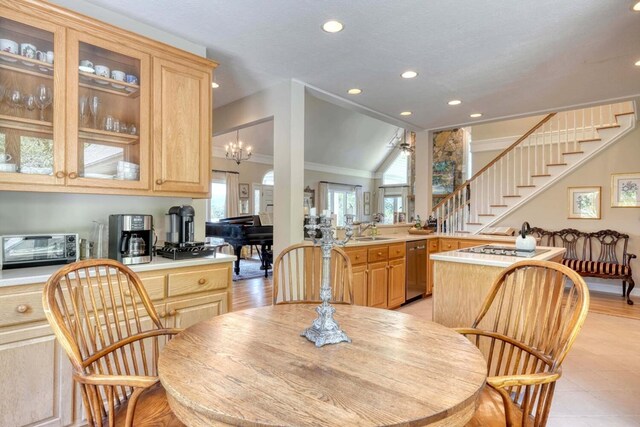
{"x":249,"y":269}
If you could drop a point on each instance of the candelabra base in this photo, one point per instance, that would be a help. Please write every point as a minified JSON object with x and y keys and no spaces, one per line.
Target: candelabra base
{"x":324,"y":329}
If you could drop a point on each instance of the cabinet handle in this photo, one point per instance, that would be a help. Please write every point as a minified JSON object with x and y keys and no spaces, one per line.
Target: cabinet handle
{"x":357,"y":256}
{"x":202,"y":281}
{"x":163,"y":314}
{"x":22,"y":308}
{"x":159,"y":181}
{"x":61,"y":174}
{"x":73,"y":175}
{"x":127,"y":293}
{"x":379,"y":253}
{"x":172,"y":313}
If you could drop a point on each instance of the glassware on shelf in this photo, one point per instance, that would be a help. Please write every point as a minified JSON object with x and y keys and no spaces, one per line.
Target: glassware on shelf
{"x":29,"y":102}
{"x":15,"y":99}
{"x":3,"y":90}
{"x":44,"y":98}
{"x":94,"y":107}
{"x":83,"y":107}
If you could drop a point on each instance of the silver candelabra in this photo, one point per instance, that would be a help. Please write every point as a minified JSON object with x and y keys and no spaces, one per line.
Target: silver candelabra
{"x":324,"y":329}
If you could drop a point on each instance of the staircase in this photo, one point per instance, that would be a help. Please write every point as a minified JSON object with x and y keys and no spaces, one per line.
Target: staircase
{"x":558,"y":144}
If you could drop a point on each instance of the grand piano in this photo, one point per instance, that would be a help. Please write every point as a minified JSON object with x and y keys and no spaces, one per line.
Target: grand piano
{"x":242,"y":231}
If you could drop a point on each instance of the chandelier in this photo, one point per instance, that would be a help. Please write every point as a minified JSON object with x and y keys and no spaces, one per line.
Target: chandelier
{"x":236,"y":152}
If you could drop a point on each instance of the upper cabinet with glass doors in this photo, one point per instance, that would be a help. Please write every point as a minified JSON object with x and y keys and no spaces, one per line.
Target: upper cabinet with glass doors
{"x":32,"y":61}
{"x":108,"y":142}
{"x":79,"y":111}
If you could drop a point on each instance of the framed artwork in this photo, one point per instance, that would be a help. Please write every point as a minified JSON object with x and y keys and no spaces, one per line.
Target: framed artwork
{"x":309,"y":197}
{"x":584,"y":202}
{"x":366,"y":199}
{"x":443,"y":177}
{"x":243,"y":190}
{"x":367,"y":209}
{"x":625,"y":190}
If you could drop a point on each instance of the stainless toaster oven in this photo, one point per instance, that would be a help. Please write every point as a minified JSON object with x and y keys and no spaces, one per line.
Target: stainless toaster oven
{"x":34,"y":250}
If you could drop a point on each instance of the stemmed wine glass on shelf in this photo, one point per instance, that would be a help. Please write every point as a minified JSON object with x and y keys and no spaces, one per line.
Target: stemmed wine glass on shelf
{"x":44,"y":98}
{"x":14,"y":99}
{"x":83,"y":106}
{"x":29,"y":102}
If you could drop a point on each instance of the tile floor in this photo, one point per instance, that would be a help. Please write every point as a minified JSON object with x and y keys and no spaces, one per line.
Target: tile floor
{"x":600,"y":385}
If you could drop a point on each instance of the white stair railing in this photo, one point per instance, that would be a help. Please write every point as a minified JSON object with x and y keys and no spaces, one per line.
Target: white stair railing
{"x":531,"y":158}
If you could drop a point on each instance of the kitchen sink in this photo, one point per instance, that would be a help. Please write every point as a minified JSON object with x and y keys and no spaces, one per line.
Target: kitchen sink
{"x":372,"y":239}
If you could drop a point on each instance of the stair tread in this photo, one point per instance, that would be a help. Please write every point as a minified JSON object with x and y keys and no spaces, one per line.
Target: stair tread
{"x":590,"y":140}
{"x":556,"y":164}
{"x":539,"y":175}
{"x":474,"y":223}
{"x":512,"y":195}
{"x":486,"y":215}
{"x":573,"y":152}
{"x":498,"y":206}
{"x":624,"y":114}
{"x":525,"y":186}
{"x":607,"y":127}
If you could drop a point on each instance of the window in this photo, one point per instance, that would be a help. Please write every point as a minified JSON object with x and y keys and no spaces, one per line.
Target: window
{"x":267,"y":179}
{"x":397,"y":172}
{"x":342,"y":201}
{"x":217,"y":207}
{"x":392,"y":204}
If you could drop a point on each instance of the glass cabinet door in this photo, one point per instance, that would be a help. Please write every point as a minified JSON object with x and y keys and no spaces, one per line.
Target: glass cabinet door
{"x":108,"y":114}
{"x":31,"y":100}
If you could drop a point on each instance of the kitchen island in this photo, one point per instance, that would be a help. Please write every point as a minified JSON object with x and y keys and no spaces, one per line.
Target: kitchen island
{"x":462,"y":280}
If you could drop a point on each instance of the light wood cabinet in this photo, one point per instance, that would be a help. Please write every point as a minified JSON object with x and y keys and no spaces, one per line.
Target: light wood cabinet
{"x":397,"y":283}
{"x":377,"y":284}
{"x":360,"y":284}
{"x":37,"y":386}
{"x":69,"y":148}
{"x":181,"y":127}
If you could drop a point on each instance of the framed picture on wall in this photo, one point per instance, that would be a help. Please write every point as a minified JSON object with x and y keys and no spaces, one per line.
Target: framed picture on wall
{"x":625,"y":190}
{"x":584,"y":202}
{"x":367,"y":209}
{"x":443,"y":177}
{"x":309,"y":197}
{"x":243,"y":189}
{"x":366,"y":196}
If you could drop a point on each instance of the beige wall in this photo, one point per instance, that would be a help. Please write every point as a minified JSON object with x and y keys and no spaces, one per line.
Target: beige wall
{"x":549,"y":209}
{"x":515,"y":127}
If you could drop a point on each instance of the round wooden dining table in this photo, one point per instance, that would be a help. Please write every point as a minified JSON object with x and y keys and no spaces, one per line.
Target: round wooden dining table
{"x":252,"y":368}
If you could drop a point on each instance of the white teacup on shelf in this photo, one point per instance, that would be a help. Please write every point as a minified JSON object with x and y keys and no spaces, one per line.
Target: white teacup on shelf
{"x":86,"y":66}
{"x":102,"y":71}
{"x":10,"y":46}
{"x":28,"y":50}
{"x":5,"y":158}
{"x":117,"y":75}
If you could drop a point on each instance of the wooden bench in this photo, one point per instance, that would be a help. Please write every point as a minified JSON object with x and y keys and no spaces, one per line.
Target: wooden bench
{"x":601,"y":254}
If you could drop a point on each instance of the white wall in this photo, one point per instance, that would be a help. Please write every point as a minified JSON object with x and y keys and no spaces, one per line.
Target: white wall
{"x":549,"y":209}
{"x":285,"y":104}
{"x":53,"y":212}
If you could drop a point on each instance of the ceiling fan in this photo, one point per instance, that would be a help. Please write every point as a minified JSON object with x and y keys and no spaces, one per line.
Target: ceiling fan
{"x":399,"y":141}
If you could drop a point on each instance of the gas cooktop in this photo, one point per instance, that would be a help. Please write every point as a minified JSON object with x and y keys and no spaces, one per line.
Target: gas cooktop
{"x":504,"y":251}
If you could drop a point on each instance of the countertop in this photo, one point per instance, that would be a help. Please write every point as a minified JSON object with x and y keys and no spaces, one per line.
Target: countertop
{"x":494,"y":260}
{"x":398,"y":238}
{"x":24,"y":276}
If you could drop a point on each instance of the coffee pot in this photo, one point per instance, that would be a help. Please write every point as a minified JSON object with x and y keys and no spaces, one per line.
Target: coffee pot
{"x":137,"y":246}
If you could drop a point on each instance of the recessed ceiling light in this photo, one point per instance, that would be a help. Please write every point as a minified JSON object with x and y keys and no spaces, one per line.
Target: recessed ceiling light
{"x":636,"y":7}
{"x":637,"y":63}
{"x":408,"y":74}
{"x":354,"y":91}
{"x":332,"y":26}
{"x":455,"y":102}
{"x":475,"y":115}
{"x":215,"y":85}
{"x":406,"y":113}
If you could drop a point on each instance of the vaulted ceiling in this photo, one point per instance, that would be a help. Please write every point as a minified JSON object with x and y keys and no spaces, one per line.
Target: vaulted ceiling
{"x":501,"y":58}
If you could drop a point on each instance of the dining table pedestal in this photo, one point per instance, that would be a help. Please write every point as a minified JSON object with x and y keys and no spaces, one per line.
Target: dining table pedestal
{"x":253,"y":368}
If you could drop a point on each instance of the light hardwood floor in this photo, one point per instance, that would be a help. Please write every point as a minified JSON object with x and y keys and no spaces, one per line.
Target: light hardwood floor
{"x":600,"y":386}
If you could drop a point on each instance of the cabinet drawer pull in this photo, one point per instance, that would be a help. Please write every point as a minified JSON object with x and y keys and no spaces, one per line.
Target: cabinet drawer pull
{"x":22,"y":308}
{"x":127,"y":293}
{"x":202,"y":281}
{"x":73,"y":175}
{"x":357,"y":256}
{"x":162,"y":314}
{"x":159,"y":181}
{"x":61,"y":174}
{"x":172,"y":312}
{"x":379,"y":253}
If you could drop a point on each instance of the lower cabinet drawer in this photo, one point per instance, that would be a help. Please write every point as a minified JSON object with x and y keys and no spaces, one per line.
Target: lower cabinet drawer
{"x":199,"y":281}
{"x":448,"y":245}
{"x":378,"y":254}
{"x":433,"y":245}
{"x":21,"y":308}
{"x":357,"y":256}
{"x":397,"y":251}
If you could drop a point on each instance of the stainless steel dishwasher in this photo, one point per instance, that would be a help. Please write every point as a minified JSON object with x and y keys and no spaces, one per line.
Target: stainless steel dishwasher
{"x":416,"y":269}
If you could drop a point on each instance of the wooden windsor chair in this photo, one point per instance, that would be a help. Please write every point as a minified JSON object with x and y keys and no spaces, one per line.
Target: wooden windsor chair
{"x":104,"y":320}
{"x":528,"y":323}
{"x":297,"y":275}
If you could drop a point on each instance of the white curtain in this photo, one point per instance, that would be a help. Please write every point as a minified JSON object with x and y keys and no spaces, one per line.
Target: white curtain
{"x":359,"y":208}
{"x":380,"y":201}
{"x":233,"y":196}
{"x":323,"y":194}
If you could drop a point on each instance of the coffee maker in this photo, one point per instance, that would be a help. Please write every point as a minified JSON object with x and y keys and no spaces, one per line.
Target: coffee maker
{"x":131,"y":238}
{"x":180,"y":226}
